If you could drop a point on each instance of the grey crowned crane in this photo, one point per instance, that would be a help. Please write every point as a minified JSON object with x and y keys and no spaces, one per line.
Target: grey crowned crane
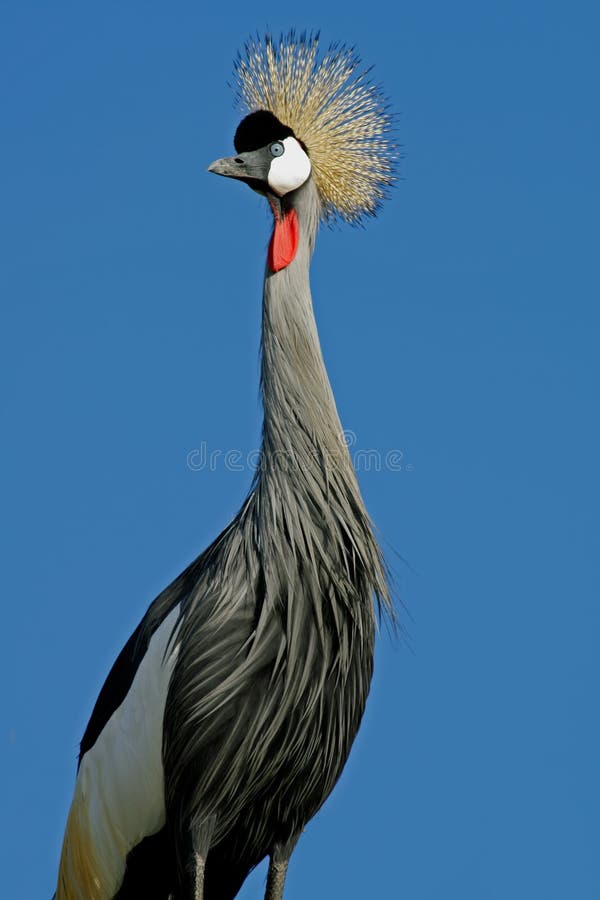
{"x":228,"y":717}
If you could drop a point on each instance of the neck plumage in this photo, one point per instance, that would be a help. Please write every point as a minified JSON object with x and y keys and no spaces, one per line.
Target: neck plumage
{"x":306,"y":489}
{"x":300,"y":417}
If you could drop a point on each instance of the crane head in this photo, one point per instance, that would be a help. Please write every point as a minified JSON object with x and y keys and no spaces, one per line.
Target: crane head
{"x":270,"y":159}
{"x":333,"y":123}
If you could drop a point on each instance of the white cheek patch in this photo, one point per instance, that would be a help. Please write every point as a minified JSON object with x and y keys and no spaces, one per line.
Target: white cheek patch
{"x":290,"y":170}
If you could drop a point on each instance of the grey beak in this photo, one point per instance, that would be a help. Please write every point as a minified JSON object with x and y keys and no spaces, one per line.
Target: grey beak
{"x":230,"y":167}
{"x":253,"y":165}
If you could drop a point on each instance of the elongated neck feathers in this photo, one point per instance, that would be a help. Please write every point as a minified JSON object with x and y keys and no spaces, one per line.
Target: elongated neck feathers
{"x":308,"y":500}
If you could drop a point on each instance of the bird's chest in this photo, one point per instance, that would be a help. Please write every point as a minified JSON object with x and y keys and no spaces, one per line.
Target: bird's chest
{"x":321,"y":720}
{"x":312,"y":709}
{"x":263,"y":711}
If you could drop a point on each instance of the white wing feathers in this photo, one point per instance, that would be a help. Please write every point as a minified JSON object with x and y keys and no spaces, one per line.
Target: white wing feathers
{"x":119,"y":792}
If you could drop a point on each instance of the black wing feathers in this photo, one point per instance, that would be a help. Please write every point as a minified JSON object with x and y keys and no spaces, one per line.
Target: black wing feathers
{"x":115,"y":688}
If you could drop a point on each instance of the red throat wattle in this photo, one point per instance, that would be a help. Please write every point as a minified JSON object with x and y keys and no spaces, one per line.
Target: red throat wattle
{"x":284,"y":241}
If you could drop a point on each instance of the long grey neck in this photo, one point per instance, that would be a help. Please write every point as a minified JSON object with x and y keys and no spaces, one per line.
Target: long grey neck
{"x":306,"y":504}
{"x":300,"y":415}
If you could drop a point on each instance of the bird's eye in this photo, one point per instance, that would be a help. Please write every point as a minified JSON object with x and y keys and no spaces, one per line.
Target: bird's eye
{"x":277,"y":149}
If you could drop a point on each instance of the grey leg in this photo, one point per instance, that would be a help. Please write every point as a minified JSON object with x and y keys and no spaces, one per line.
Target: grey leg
{"x":280,"y":858}
{"x":276,"y":880}
{"x":199,"y":864}
{"x":201,"y":839}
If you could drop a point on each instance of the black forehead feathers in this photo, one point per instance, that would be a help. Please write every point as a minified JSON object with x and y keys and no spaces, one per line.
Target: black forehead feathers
{"x":259,"y":129}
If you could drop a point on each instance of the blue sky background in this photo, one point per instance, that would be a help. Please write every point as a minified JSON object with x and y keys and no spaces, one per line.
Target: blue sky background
{"x":460,"y":329}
